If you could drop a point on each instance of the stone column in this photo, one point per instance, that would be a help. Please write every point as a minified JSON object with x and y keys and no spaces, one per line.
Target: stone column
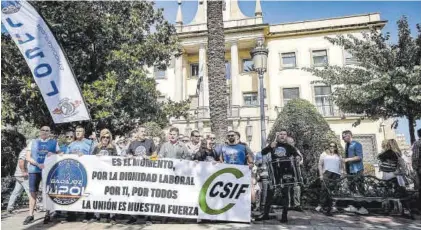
{"x":204,"y":93}
{"x":236,"y":92}
{"x":178,"y":91}
{"x":202,"y":64}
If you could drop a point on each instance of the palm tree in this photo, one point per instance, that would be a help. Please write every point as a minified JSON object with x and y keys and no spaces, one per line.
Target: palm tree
{"x":216,"y":70}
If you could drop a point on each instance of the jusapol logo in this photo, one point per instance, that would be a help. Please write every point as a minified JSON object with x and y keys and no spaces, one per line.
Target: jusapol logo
{"x":222,"y":190}
{"x":66,"y":182}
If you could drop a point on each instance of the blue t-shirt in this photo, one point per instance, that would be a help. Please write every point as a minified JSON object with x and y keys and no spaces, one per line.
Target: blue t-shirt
{"x":84,"y":146}
{"x":355,"y":149}
{"x":64,"y":148}
{"x":234,"y":154}
{"x":39,"y":151}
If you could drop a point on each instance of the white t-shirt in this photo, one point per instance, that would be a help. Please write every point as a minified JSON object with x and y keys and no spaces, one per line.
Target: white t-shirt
{"x":331,"y":163}
{"x":22,"y":156}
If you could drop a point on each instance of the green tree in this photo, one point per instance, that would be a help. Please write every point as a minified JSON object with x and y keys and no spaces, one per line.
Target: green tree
{"x":108,"y":45}
{"x":12,"y":142}
{"x":309,"y":129}
{"x":216,"y":65}
{"x":154,"y":130}
{"x":385,"y":82}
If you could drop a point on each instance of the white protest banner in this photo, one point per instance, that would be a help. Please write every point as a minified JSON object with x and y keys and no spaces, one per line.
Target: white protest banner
{"x":47,"y":62}
{"x":136,"y":186}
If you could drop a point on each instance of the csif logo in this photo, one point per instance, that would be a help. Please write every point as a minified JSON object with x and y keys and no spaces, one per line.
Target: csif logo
{"x":221,"y":189}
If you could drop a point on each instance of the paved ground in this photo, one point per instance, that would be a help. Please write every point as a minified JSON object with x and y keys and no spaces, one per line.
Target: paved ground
{"x":297,"y":220}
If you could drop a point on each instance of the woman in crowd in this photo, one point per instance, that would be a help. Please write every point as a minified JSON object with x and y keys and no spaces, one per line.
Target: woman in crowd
{"x":330,"y":170}
{"x":391,"y":161}
{"x":105,"y":148}
{"x":393,"y":166}
{"x":206,"y":152}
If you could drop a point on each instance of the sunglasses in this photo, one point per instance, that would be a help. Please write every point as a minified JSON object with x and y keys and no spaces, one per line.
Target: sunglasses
{"x":230,"y":135}
{"x":106,"y":137}
{"x":69,"y":136}
{"x":212,"y":138}
{"x":45,"y":130}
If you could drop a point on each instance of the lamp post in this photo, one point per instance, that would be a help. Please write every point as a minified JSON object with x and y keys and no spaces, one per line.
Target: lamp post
{"x":249,"y":131}
{"x":260,"y":56}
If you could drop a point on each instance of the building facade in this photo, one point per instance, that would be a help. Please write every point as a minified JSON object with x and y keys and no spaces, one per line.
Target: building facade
{"x":291,"y":46}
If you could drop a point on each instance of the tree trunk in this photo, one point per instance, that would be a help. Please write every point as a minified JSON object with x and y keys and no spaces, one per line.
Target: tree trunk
{"x":216,"y":70}
{"x":411,"y":122}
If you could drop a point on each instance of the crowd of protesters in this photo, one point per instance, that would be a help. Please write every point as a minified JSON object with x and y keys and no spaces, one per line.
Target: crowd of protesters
{"x":332,"y":164}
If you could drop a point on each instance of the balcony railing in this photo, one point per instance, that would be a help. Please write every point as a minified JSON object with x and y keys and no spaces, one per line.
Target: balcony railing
{"x":329,"y":111}
{"x":233,"y":112}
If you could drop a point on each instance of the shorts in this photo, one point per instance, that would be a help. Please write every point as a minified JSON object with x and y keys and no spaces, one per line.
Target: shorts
{"x":34,"y":181}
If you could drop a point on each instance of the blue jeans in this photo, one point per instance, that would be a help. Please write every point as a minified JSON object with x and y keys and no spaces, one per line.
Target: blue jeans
{"x":22,"y":183}
{"x":34,"y":181}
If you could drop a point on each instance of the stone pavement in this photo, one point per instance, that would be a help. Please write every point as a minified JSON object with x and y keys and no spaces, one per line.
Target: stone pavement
{"x":297,"y":220}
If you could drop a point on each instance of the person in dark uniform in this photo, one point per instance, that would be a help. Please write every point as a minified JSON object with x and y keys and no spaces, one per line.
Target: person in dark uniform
{"x":279,"y":150}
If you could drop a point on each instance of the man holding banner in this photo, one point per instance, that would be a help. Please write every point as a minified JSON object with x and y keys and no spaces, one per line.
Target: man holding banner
{"x":37,"y":150}
{"x":81,"y":146}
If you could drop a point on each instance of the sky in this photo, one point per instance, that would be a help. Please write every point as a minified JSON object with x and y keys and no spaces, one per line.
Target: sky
{"x":275,"y":12}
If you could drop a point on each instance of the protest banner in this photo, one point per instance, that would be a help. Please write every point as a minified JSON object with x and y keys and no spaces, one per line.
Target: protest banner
{"x":46,"y":60}
{"x":136,"y":186}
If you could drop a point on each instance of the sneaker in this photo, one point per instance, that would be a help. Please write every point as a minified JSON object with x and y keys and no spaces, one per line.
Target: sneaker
{"x":47,"y":219}
{"x":362,"y":211}
{"x":71,"y":217}
{"x":334,"y":209}
{"x":10,"y":211}
{"x":199,"y":221}
{"x":132,"y":220}
{"x":262,"y":217}
{"x":148,"y":220}
{"x":28,"y":220}
{"x":95,"y":219}
{"x":284,"y":219}
{"x":350,"y":208}
{"x":298,"y":208}
{"x":113,"y":221}
{"x":318,"y":208}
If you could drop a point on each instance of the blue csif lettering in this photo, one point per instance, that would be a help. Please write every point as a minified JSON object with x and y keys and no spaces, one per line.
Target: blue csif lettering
{"x":41,"y":70}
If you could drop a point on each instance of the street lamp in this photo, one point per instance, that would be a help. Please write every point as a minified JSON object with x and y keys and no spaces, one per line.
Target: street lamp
{"x":249,"y":131}
{"x":260,"y":56}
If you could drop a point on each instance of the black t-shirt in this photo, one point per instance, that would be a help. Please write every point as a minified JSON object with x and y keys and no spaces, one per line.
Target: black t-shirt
{"x":206,"y":155}
{"x":141,"y":148}
{"x":346,"y":156}
{"x":283,"y":170}
{"x":105,"y":151}
{"x":282,"y":150}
